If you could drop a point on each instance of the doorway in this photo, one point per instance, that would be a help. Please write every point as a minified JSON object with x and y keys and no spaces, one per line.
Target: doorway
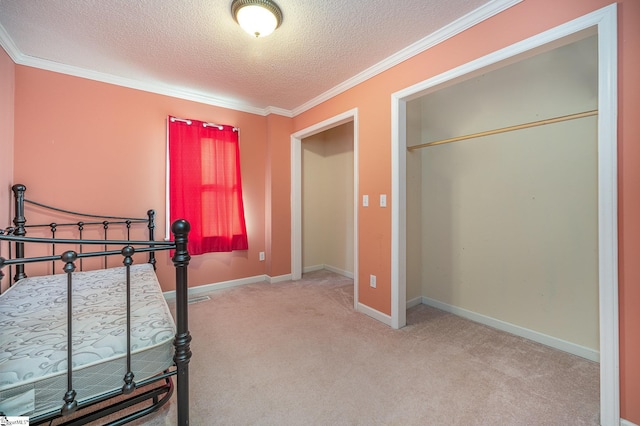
{"x":327,"y":201}
{"x":603,"y":23}
{"x":297,"y":229}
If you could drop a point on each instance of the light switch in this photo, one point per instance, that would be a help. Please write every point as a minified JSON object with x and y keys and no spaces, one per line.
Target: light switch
{"x":383,"y":200}
{"x":365,"y":201}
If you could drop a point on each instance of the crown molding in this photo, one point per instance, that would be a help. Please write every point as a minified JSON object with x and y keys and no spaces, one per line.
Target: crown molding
{"x":278,"y":111}
{"x":151,"y":87}
{"x":469,"y":20}
{"x":476,"y":16}
{"x":9,"y":46}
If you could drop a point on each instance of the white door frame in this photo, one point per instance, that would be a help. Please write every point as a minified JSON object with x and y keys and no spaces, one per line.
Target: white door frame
{"x":605,"y":20}
{"x":296,"y":192}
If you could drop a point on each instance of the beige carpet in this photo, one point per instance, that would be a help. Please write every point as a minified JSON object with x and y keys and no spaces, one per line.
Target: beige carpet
{"x":296,"y":353}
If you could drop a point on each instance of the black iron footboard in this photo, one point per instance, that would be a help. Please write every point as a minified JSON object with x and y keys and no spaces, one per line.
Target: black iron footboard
{"x":132,"y":392}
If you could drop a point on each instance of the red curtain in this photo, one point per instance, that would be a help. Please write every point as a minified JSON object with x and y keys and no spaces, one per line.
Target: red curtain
{"x":205,"y":186}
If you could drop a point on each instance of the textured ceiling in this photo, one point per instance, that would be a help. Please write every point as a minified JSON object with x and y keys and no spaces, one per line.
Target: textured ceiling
{"x":195,"y":46}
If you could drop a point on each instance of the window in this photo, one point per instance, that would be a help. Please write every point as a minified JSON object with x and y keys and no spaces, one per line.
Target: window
{"x":205,"y":187}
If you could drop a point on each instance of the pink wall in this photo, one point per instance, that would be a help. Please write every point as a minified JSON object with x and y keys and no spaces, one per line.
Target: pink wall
{"x":373,"y":100}
{"x":7,"y":79}
{"x":112,"y":140}
{"x":629,"y":205}
{"x":278,"y":199}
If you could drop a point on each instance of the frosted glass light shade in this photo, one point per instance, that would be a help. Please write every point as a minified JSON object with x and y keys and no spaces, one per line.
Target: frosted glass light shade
{"x":257,"y":20}
{"x":257,"y":17}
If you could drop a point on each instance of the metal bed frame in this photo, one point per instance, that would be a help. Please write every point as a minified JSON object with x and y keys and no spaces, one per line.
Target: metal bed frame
{"x":161,"y":385}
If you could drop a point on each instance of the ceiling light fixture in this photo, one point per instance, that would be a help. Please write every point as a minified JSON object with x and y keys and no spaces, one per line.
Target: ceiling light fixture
{"x":257,"y":17}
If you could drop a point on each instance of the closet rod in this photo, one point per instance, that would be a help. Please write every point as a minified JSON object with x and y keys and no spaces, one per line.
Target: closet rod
{"x":507,"y":129}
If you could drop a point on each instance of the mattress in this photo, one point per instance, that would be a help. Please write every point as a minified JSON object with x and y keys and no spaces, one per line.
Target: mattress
{"x":33,"y":336}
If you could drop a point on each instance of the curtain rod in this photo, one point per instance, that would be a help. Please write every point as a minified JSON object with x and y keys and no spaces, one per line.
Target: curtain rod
{"x":187,"y":121}
{"x":507,"y":129}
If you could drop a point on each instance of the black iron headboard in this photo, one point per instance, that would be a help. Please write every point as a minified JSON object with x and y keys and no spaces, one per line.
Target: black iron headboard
{"x":81,"y":223}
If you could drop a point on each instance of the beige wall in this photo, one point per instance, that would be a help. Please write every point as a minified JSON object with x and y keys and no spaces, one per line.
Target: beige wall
{"x":327,"y":201}
{"x":414,"y":205}
{"x":509,"y":222}
{"x":7,"y":88}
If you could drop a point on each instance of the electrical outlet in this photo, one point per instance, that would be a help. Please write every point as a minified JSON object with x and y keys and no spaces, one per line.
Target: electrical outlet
{"x":372,"y":281}
{"x":261,"y":256}
{"x":365,"y":201}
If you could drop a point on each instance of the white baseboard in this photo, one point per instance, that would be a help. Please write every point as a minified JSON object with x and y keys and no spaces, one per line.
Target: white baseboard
{"x":551,"y":341}
{"x":624,"y":422}
{"x":278,"y":278}
{"x":328,"y":268}
{"x":312,"y":268}
{"x":208,"y":288}
{"x":339,"y":271}
{"x":414,"y":302}
{"x":383,"y":318}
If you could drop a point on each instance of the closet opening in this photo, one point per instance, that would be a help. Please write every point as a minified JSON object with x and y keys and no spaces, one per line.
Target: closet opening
{"x":507,"y":222}
{"x":327,"y":201}
{"x":508,"y":212}
{"x":324,"y":206}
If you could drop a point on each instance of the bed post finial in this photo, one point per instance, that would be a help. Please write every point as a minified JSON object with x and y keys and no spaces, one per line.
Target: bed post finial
{"x":182,"y":355}
{"x":19,"y":221}
{"x":18,"y":187}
